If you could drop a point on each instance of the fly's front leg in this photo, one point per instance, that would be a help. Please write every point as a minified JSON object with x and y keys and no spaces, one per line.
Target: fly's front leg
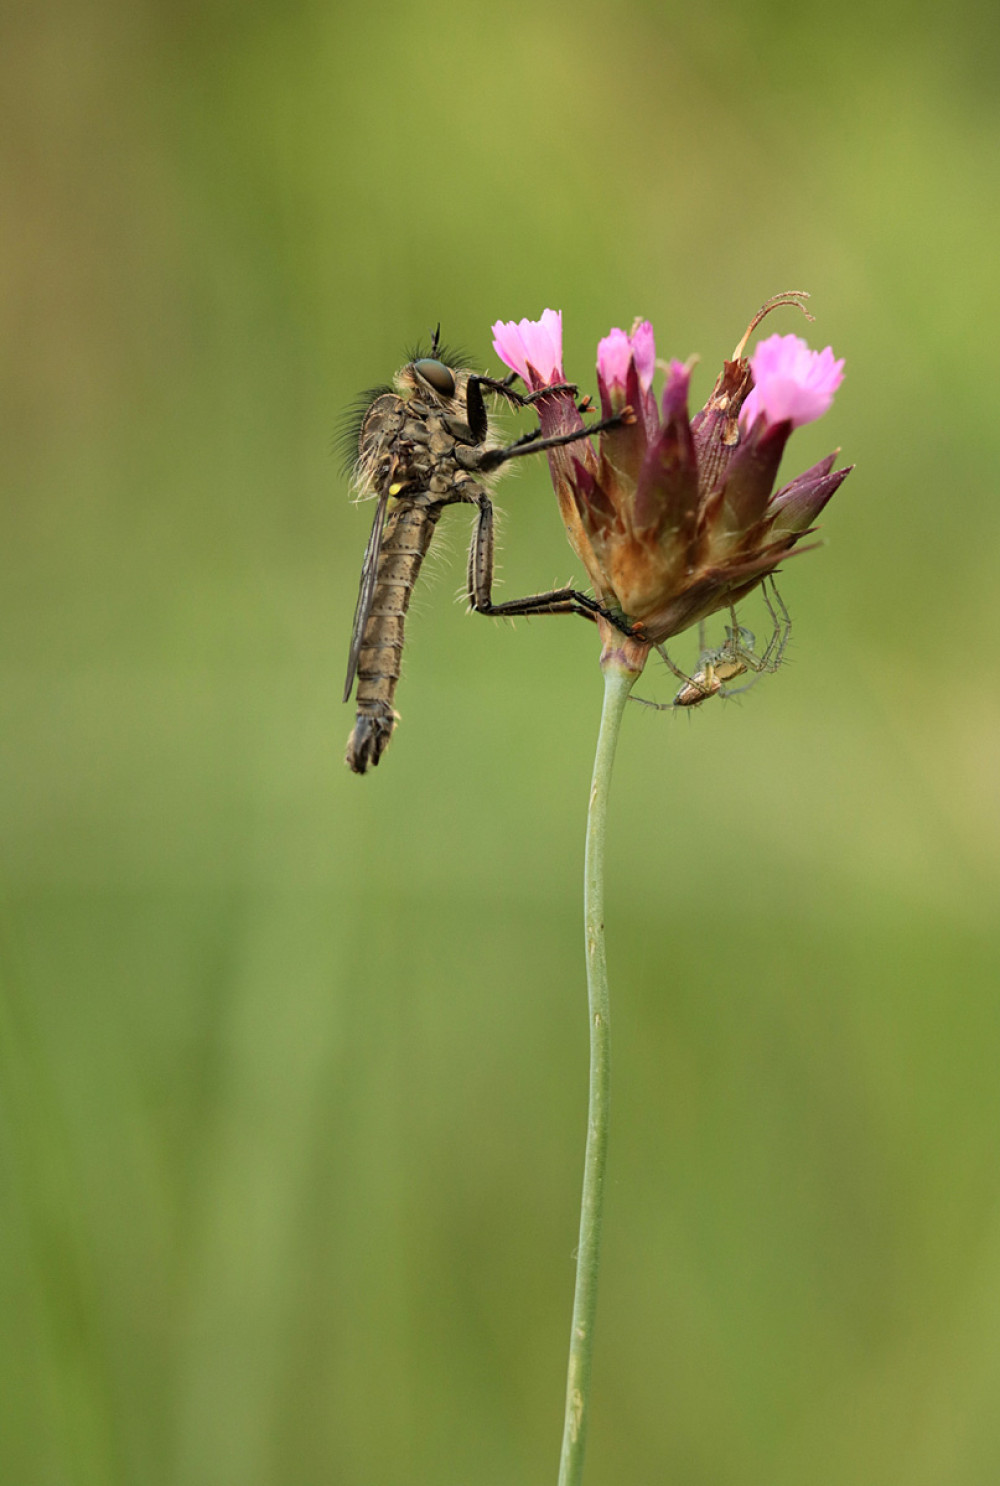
{"x":491,"y":459}
{"x":520,"y":399}
{"x":555,"y":601}
{"x":475,"y":407}
{"x":528,"y":399}
{"x":475,"y":411}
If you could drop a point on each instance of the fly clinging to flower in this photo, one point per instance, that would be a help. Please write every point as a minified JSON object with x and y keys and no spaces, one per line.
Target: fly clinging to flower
{"x":674,"y":516}
{"x":423,"y":445}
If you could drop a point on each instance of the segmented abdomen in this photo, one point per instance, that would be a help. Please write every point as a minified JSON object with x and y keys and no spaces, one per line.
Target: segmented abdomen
{"x":405,"y":541}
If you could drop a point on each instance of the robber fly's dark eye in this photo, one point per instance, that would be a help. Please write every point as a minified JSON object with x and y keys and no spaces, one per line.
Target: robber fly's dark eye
{"x":438,"y":375}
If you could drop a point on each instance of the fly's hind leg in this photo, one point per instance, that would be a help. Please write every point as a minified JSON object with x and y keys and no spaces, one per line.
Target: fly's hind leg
{"x":554,"y":601}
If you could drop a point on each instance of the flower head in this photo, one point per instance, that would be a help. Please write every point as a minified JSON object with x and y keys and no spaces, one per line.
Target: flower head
{"x":673,"y":516}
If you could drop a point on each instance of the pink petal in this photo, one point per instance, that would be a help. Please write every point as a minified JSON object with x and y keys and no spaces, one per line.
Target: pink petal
{"x":617,"y":350}
{"x":532,"y":348}
{"x":644,"y":351}
{"x":791,"y":382}
{"x":614,"y":353}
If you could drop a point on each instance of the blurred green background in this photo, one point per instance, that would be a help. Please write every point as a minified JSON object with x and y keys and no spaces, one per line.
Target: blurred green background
{"x":294,"y":1063}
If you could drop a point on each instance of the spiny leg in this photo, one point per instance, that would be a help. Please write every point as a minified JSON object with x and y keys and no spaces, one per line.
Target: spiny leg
{"x":775,"y":648}
{"x":505,"y":388}
{"x":782,"y":625}
{"x":653,"y":706}
{"x":661,"y":651}
{"x":744,"y":644}
{"x":687,"y":682}
{"x":768,"y":661}
{"x":531,"y":443}
{"x":554,"y":601}
{"x":475,"y":407}
{"x":491,"y":459}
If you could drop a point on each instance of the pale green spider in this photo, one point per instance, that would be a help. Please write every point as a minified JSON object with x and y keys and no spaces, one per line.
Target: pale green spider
{"x":734,"y":657}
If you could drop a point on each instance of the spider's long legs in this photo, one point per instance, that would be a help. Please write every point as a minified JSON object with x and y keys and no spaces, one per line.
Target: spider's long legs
{"x":742,"y":640}
{"x":681,"y":675}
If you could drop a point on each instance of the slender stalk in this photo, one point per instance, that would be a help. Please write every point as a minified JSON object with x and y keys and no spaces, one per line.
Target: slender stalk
{"x":618,"y":681}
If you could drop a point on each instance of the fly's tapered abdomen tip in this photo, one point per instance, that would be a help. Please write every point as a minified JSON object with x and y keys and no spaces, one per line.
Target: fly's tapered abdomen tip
{"x":369,"y":740}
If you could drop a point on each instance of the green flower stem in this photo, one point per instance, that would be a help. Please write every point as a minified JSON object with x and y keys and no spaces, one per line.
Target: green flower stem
{"x":618,"y":681}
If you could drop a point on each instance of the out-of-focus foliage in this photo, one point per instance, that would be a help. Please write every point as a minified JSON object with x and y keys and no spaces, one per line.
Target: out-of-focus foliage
{"x":293,"y":1063}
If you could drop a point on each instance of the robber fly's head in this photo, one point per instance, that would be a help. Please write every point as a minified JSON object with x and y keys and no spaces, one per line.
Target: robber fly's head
{"x":437,"y":378}
{"x":433,"y":380}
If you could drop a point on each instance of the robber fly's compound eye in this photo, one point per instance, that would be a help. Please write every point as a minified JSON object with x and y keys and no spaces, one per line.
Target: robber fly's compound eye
{"x":437,"y":374}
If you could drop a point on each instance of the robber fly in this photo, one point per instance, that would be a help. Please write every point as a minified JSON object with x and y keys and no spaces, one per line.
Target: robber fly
{"x":735,"y":657}
{"x":422,"y":446}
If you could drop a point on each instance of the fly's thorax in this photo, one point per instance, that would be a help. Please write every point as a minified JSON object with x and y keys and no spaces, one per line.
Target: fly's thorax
{"x":438,"y":414}
{"x":432,"y":387}
{"x":403,"y":443}
{"x":418,"y":438}
{"x":380,"y":427}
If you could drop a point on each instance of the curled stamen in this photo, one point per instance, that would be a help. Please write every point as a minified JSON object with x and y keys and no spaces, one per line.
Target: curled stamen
{"x":792,"y":297}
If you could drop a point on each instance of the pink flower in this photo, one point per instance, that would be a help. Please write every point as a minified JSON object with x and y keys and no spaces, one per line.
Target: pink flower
{"x":614,"y":356}
{"x":617,"y":350}
{"x":791,"y":383}
{"x":625,"y":367}
{"x":532,"y":348}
